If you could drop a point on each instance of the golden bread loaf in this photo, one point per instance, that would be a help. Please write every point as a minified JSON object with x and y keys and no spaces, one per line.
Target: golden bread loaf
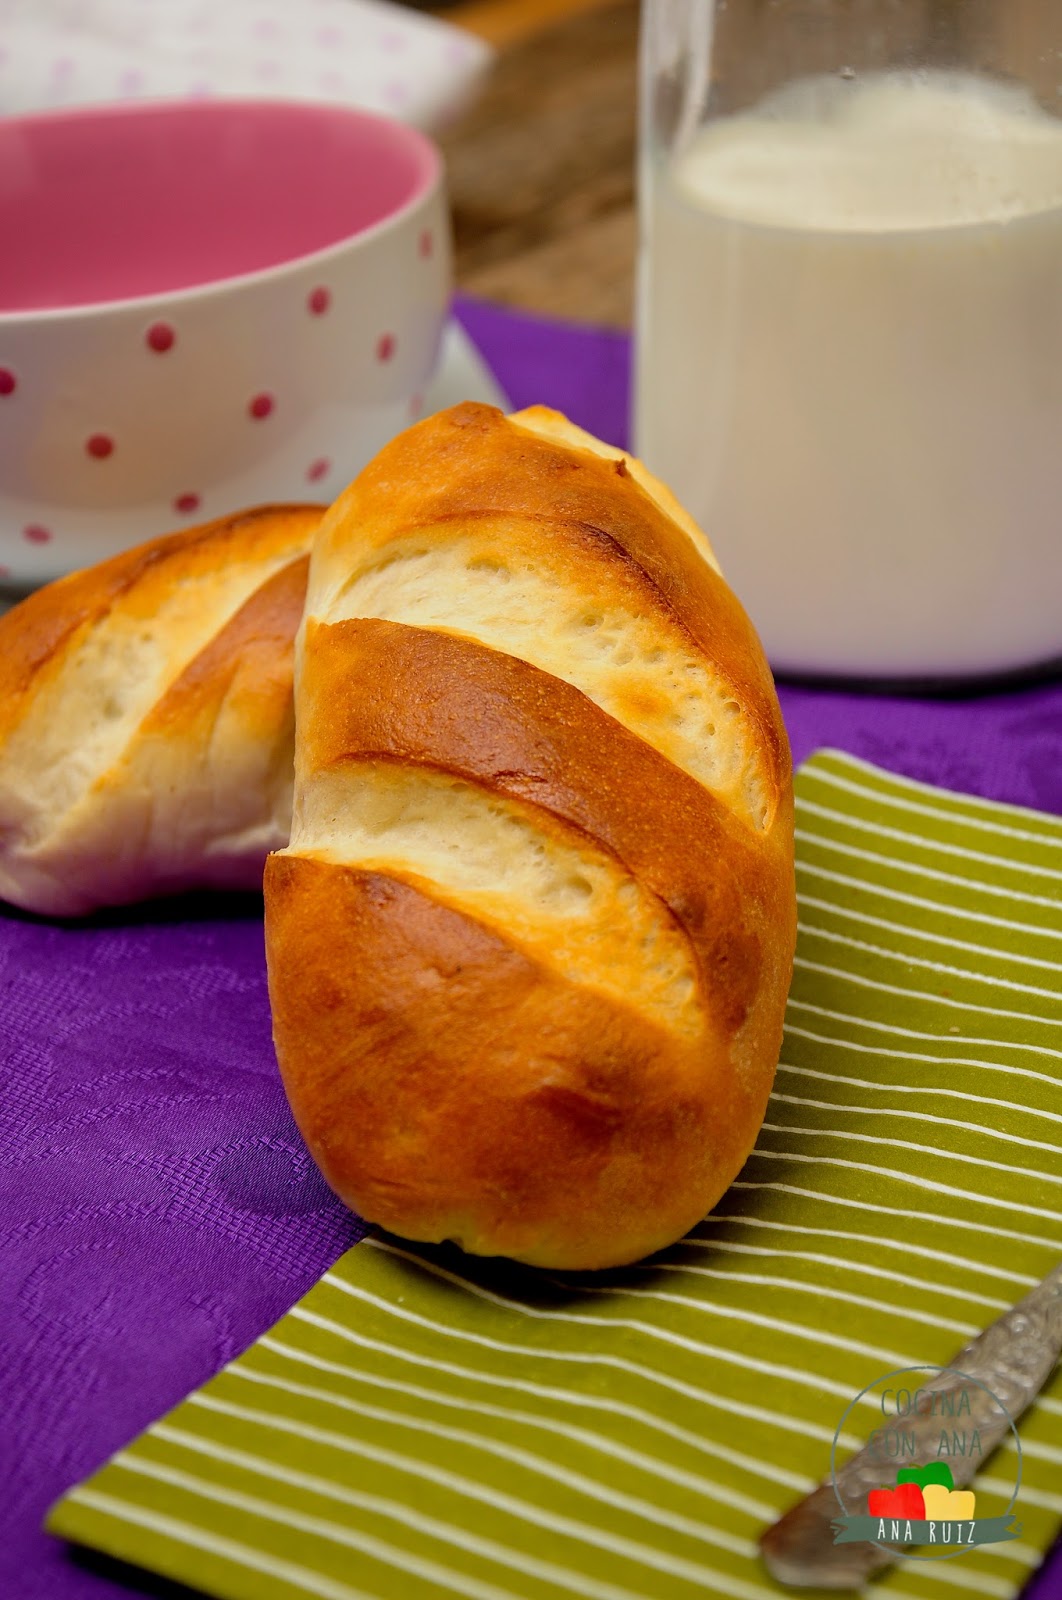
{"x":146,"y":722}
{"x":530,"y":944}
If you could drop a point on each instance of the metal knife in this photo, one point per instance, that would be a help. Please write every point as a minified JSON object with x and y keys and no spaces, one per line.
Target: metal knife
{"x":1013,"y":1359}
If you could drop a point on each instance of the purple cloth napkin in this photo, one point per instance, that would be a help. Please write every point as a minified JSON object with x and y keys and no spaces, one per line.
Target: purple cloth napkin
{"x":158,"y":1209}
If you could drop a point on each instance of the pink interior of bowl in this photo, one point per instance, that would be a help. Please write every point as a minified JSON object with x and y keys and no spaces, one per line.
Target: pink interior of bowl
{"x":115,"y":203}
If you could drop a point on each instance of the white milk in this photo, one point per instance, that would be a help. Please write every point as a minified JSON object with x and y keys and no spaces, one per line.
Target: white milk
{"x":850,"y":369}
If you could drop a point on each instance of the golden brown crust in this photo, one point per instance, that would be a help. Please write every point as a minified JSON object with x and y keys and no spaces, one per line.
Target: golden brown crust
{"x":251,"y":659}
{"x":448,"y":1086}
{"x":471,"y":463}
{"x":147,"y":720}
{"x":469,"y":761}
{"x":34,"y":633}
{"x":517,"y":731}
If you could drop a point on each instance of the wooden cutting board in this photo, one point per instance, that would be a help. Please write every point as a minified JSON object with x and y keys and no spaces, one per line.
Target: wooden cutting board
{"x":541,"y":172}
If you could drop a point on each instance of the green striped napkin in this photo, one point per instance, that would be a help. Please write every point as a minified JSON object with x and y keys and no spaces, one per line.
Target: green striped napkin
{"x":424,"y":1424}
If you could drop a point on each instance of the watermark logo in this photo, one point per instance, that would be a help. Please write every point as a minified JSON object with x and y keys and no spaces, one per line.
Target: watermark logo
{"x":935,"y":1428}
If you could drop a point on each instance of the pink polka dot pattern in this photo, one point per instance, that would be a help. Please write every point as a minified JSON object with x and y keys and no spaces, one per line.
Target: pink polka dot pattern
{"x":416,"y":405}
{"x":426,"y":243}
{"x":186,"y":503}
{"x":318,"y":469}
{"x":319,"y":301}
{"x":8,"y":381}
{"x":261,"y":406}
{"x":5,"y":572}
{"x":385,"y":347}
{"x":100,"y":446}
{"x":160,"y":337}
{"x":35,"y":534}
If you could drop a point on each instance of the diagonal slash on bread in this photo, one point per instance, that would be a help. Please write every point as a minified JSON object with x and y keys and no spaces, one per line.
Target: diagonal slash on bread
{"x":146,"y":724}
{"x":530,"y":944}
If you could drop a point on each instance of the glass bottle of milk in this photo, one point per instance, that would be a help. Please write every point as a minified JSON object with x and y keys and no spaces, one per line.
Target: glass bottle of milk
{"x":849,"y":328}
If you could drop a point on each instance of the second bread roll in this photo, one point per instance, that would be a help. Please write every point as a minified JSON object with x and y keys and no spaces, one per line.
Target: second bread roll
{"x":530,"y":945}
{"x":146,"y":718}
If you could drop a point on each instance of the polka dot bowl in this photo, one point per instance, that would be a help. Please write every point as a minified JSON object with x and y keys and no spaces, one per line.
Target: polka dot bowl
{"x":204,"y":306}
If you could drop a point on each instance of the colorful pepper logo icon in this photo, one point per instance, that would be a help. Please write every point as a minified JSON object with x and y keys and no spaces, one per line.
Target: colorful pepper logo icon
{"x":904,"y":1501}
{"x":948,"y":1505}
{"x":933,"y":1472}
{"x":924,"y":1494}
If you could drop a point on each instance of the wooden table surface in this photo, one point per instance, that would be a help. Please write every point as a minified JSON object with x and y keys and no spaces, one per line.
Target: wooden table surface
{"x":541,"y":171}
